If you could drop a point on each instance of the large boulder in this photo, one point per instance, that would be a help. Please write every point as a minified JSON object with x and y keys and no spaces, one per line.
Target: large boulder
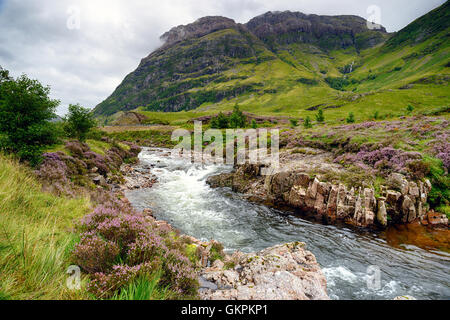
{"x":283,"y":272}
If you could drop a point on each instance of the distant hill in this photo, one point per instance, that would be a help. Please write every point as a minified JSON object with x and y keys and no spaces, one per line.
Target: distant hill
{"x":285,"y":62}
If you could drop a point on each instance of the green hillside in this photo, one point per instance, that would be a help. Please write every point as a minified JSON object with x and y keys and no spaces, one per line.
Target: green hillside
{"x":300,"y":66}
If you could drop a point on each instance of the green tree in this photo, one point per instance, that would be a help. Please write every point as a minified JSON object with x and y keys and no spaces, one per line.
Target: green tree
{"x":254,"y":124}
{"x":376,"y":115}
{"x":351,"y":118}
{"x":294,"y":123}
{"x":237,"y":118}
{"x":79,"y":122}
{"x":410,"y":108}
{"x":25,"y":114}
{"x":320,"y":117}
{"x":220,"y":122}
{"x":307,"y":124}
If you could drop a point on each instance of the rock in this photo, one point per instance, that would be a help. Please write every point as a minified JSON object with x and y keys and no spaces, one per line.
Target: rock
{"x":218,"y":264}
{"x":398,"y":182}
{"x":100,"y":181}
{"x":284,"y":272}
{"x":414,"y":191}
{"x":297,"y":197}
{"x":408,"y":210}
{"x":436,"y":219}
{"x":221,"y":180}
{"x":382,"y":213}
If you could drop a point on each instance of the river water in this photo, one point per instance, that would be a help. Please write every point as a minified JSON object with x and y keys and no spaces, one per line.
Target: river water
{"x":183,"y":198}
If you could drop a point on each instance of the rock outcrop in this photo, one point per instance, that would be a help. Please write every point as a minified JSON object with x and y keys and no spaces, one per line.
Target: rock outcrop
{"x":401,"y":201}
{"x":284,"y":272}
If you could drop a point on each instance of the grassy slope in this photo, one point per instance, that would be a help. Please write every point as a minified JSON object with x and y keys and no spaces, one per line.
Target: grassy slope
{"x":374,"y":85}
{"x":35,"y":237}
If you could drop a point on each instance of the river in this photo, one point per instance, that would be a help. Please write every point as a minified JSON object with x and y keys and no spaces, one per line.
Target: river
{"x":183,"y":198}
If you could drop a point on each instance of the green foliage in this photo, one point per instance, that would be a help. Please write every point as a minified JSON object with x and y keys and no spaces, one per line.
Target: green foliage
{"x":25,"y":113}
{"x":320,"y":116}
{"x":79,"y":122}
{"x":254,"y":124}
{"x":294,"y":123}
{"x":307,"y":123}
{"x":237,"y":118}
{"x":440,"y":193}
{"x":376,"y":115}
{"x":143,"y":288}
{"x":337,"y":83}
{"x":351,"y":118}
{"x":409,"y":109}
{"x":35,"y":241}
{"x":220,"y":122}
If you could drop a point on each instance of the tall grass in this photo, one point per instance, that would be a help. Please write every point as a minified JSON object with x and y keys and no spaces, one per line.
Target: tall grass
{"x":36,"y":237}
{"x":144,"y":288}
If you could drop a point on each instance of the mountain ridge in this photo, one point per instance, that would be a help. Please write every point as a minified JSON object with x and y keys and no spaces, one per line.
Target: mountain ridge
{"x":216,"y":60}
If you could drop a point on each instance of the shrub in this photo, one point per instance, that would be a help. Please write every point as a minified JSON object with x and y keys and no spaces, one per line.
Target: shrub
{"x":376,"y":115}
{"x":94,"y":254}
{"x":320,"y":117}
{"x":351,"y":118}
{"x":220,"y":122}
{"x":79,"y":122}
{"x":25,"y":114}
{"x":237,"y":118}
{"x":294,"y":123}
{"x":409,"y":109}
{"x":53,"y":172}
{"x":115,"y":233}
{"x":307,"y":123}
{"x":254,"y":124}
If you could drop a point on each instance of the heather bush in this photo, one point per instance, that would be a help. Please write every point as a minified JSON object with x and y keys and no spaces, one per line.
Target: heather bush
{"x":94,"y":254}
{"x":95,"y":160}
{"x":386,"y":159}
{"x":104,"y":285}
{"x":77,"y":148}
{"x":53,"y":173}
{"x":115,"y":232}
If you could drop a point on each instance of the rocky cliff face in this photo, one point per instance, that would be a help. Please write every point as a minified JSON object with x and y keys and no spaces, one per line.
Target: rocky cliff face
{"x":324,"y":31}
{"x":199,"y":28}
{"x":208,"y":52}
{"x":400,"y":201}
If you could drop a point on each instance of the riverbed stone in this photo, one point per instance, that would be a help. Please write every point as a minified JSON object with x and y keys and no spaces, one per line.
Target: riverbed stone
{"x":283,"y":272}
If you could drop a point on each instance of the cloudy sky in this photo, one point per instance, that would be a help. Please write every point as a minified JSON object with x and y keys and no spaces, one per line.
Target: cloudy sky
{"x":84,"y":48}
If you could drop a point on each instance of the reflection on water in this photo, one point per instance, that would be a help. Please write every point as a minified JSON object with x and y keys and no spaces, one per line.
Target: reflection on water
{"x":183,"y":198}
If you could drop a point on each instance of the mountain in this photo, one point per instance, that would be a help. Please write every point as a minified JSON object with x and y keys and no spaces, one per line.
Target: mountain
{"x":285,"y":62}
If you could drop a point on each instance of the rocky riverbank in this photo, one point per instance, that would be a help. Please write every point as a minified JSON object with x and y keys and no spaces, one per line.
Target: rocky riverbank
{"x":284,"y":272}
{"x":297,"y":186}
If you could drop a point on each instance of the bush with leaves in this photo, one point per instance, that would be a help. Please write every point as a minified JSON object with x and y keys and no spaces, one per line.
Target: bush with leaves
{"x":237,"y":118}
{"x":119,"y":245}
{"x":25,"y":114}
{"x":79,"y":122}
{"x":307,"y":123}
{"x":320,"y":116}
{"x":220,"y":122}
{"x":351,"y":118}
